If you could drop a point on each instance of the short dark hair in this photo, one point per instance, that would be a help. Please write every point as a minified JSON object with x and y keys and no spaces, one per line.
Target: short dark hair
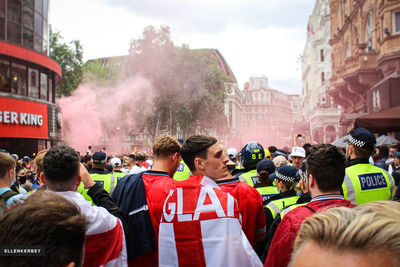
{"x":132,"y":156}
{"x":61,"y":166}
{"x":272,"y":149}
{"x":49,"y":220}
{"x":196,"y":146}
{"x":327,"y":165}
{"x":363,"y":153}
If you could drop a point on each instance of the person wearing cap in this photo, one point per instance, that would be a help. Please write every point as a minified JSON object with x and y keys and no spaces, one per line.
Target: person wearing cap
{"x":250,"y":155}
{"x":363,"y":181}
{"x":100,"y":175}
{"x":265,"y":168}
{"x":249,"y":202}
{"x":298,"y":155}
{"x":287,"y":182}
{"x":116,"y":165}
{"x":324,"y":178}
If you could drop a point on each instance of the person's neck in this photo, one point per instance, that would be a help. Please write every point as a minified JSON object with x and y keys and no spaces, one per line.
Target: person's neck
{"x":4,"y":182}
{"x":316,"y":192}
{"x":229,"y":176}
{"x":162,"y":165}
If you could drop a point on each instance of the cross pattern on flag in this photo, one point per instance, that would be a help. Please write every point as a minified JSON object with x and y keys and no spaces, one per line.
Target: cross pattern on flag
{"x":200,"y":226}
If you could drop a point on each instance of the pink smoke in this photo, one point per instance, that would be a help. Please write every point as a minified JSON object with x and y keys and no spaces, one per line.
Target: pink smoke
{"x":90,"y":114}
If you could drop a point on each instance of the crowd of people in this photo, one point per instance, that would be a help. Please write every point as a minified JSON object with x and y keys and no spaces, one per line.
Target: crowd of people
{"x":195,"y":203}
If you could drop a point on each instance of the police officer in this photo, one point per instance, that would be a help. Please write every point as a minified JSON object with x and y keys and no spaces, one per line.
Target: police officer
{"x":264,"y":169}
{"x":287,"y":182}
{"x":251,"y":154}
{"x":363,"y":181}
{"x":99,"y":174}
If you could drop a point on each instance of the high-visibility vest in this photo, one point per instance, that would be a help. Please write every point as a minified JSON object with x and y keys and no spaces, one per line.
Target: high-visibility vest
{"x":182,"y":173}
{"x":276,"y":206}
{"x":267,"y":191}
{"x":251,"y":178}
{"x":108,"y":181}
{"x":119,"y":175}
{"x":290,"y":208}
{"x":365,"y":182}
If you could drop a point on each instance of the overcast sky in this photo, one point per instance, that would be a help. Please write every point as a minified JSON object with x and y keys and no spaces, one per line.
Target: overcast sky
{"x":256,"y":37}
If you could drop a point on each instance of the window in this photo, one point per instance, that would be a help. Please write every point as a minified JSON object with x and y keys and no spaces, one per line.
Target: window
{"x":18,"y":78}
{"x":2,"y":20}
{"x":43,"y":86}
{"x":39,"y":6}
{"x":321,"y":52}
{"x":14,"y":22}
{"x":28,"y":38}
{"x":33,"y":83}
{"x":369,"y":34}
{"x":28,"y":17}
{"x":4,"y":76}
{"x":322,"y":77}
{"x":50,"y":90}
{"x":396,"y":22}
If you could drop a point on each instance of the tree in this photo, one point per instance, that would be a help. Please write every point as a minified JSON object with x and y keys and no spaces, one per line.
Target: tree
{"x":188,"y":84}
{"x":95,"y":74}
{"x":70,"y":57}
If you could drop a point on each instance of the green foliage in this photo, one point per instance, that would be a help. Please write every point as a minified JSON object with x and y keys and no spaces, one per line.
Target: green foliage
{"x":95,"y":74}
{"x":70,"y":57}
{"x":188,"y":84}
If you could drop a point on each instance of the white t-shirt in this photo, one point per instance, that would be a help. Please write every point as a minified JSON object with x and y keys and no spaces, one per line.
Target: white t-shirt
{"x":136,"y":169}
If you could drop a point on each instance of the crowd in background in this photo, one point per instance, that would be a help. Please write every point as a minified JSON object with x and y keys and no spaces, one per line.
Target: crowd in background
{"x":197,"y":203}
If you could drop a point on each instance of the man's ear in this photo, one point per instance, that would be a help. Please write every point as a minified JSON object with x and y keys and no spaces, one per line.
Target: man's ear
{"x":311,"y":180}
{"x":41,"y":178}
{"x":199,"y":164}
{"x":78,"y":181}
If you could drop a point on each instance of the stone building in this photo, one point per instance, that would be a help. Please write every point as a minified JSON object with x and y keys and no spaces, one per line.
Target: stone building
{"x":264,"y":114}
{"x":365,"y":40}
{"x":321,"y":112}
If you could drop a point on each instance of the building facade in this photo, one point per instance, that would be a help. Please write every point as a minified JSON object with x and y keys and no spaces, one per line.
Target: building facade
{"x":262,"y":114}
{"x":365,"y":40}
{"x":29,"y":118}
{"x":322,"y":114}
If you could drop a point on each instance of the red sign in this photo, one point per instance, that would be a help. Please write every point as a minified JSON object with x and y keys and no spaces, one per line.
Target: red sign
{"x":23,"y":119}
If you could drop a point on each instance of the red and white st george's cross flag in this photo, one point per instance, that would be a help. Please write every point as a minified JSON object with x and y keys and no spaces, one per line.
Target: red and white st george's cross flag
{"x":200,"y":227}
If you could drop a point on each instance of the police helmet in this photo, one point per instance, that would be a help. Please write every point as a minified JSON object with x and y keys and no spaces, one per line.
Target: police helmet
{"x":252,"y":153}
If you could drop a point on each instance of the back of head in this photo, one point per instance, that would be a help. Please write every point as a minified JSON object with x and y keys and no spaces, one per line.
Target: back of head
{"x":164,"y":146}
{"x":196,"y":146}
{"x":366,"y":229}
{"x":363,"y":141}
{"x":327,"y":165}
{"x":251,"y":154}
{"x":272,"y":149}
{"x":6,"y":163}
{"x":99,"y":159}
{"x":280,"y":161}
{"x":61,"y":167}
{"x":39,"y":160}
{"x":45,"y":220}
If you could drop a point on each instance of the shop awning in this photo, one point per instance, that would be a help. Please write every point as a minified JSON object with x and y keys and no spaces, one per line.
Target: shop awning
{"x":383,"y":121}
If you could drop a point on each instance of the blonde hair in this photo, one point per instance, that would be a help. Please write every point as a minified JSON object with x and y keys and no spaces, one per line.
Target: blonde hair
{"x":39,"y":160}
{"x":280,"y":161}
{"x":366,"y":228}
{"x":166,"y":145}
